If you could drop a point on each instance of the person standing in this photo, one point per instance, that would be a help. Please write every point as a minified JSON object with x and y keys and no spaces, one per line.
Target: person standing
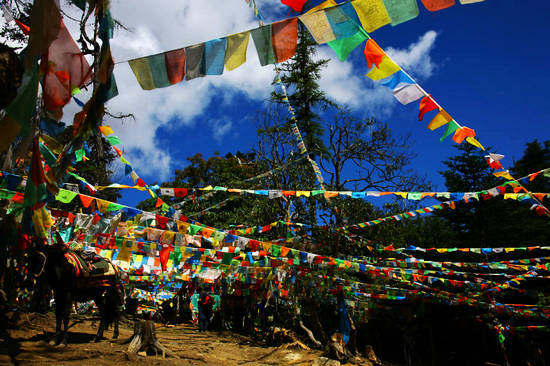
{"x":205,"y":310}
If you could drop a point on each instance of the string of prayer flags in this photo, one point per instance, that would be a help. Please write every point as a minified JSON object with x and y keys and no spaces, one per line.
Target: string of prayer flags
{"x":160,"y":70}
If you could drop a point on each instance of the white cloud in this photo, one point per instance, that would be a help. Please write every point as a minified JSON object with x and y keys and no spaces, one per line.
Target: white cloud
{"x":416,"y":59}
{"x":220,"y":128}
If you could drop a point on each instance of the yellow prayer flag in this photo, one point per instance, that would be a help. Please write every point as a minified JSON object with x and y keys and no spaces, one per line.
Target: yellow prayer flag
{"x":402,"y":194}
{"x":42,"y":221}
{"x":323,"y":5}
{"x":235,"y":52}
{"x":142,"y":71}
{"x":371,"y":13}
{"x":303,"y":193}
{"x":510,"y":196}
{"x":106,"y":130}
{"x":183,"y":227}
{"x":473,"y":141}
{"x":442,"y":118}
{"x":504,"y":174}
{"x":386,"y":68}
{"x":319,"y":26}
{"x":102,"y":205}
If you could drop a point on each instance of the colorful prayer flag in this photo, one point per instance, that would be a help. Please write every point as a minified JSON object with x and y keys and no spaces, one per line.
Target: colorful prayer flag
{"x":343,"y":47}
{"x":35,"y":190}
{"x":451,"y":128}
{"x":373,"y":53}
{"x":371,"y":13}
{"x":401,"y":10}
{"x":427,"y":104}
{"x":442,"y":118}
{"x":214,"y":55}
{"x":408,"y":93}
{"x":435,"y":5}
{"x":194,"y":66}
{"x":235,"y":53}
{"x":386,"y":68}
{"x":318,"y":26}
{"x":285,"y":37}
{"x":462,"y":133}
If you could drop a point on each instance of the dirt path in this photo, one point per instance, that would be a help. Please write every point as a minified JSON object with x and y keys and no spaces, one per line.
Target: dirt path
{"x":29,"y":346}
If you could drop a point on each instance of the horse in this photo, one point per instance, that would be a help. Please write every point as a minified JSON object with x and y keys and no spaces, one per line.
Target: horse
{"x":58,"y":266}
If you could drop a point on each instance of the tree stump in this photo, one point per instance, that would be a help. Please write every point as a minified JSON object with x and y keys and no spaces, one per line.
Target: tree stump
{"x":144,"y":340}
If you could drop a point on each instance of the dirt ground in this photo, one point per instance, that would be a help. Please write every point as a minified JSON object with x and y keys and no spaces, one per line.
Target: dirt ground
{"x":29,"y":345}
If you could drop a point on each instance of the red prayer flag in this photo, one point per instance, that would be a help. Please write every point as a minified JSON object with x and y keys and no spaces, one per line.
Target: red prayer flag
{"x":462,"y":133}
{"x":141,"y":183}
{"x":159,"y":203}
{"x":284,"y":37}
{"x":296,"y":5}
{"x":86,"y":200}
{"x":175,"y":65}
{"x":180,"y":192}
{"x":435,"y":5}
{"x":24,"y":28}
{"x":426,"y":104}
{"x":373,"y":53}
{"x":65,"y":68}
{"x":161,"y":221}
{"x":163,"y":255}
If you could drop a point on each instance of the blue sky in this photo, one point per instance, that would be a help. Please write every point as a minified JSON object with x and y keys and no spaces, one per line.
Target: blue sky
{"x":484,"y":63}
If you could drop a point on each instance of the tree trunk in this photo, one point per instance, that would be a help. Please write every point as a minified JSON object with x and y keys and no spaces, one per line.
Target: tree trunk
{"x":145,"y":340}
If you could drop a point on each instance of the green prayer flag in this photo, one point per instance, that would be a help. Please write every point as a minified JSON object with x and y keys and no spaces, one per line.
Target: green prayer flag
{"x":114,"y":207}
{"x":343,"y":47}
{"x":263,"y":41}
{"x":414,"y":196}
{"x":47,"y":154}
{"x":401,"y":11}
{"x":451,"y":128}
{"x":275,"y":250}
{"x":65,"y":195}
{"x":113,"y":140}
{"x":79,"y":154}
{"x":193,"y":229}
{"x":157,"y":65}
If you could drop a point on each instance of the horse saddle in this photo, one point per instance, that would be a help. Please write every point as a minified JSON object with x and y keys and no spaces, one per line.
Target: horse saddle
{"x":88,"y":264}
